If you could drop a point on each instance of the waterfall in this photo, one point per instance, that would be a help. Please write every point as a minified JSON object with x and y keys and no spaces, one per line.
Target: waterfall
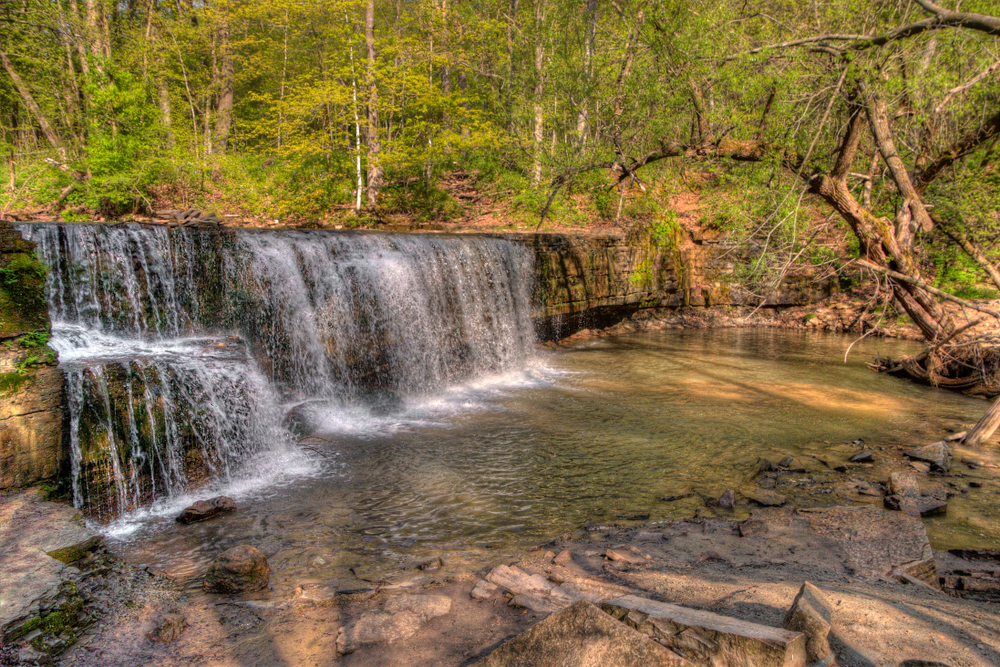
{"x":183,"y":349}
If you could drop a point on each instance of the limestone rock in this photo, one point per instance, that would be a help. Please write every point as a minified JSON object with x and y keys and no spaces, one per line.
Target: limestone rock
{"x":207,"y":509}
{"x":167,"y":627}
{"x":241,"y":569}
{"x":764,"y":498}
{"x":810,"y":614}
{"x":401,"y":617}
{"x":710,"y":639}
{"x":923,"y":505}
{"x":937,"y":455}
{"x":903,"y":484}
{"x":518,"y":581}
{"x":484,"y":590}
{"x":581,"y":636}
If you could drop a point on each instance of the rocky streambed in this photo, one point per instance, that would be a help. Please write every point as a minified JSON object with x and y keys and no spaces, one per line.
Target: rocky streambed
{"x":718,"y":588}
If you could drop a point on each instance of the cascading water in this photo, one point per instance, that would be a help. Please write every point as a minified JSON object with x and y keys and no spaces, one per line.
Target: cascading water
{"x":183,"y":349}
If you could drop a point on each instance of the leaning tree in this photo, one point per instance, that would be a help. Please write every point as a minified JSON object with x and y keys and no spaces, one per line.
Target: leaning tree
{"x":891,"y":120}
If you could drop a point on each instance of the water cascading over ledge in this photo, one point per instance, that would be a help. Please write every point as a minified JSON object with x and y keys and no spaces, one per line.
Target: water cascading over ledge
{"x":183,"y":348}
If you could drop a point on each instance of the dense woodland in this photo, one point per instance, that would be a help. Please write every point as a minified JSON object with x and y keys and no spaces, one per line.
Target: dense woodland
{"x":794,"y":122}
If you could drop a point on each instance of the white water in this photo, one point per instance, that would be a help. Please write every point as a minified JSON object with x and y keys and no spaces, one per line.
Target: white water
{"x":183,"y":350}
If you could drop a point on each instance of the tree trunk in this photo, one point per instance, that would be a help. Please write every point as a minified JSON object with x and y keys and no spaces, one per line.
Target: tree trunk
{"x":538,"y":133}
{"x":985,"y":427}
{"x":29,"y":101}
{"x":375,"y":172}
{"x":582,"y":117}
{"x":224,"y":109}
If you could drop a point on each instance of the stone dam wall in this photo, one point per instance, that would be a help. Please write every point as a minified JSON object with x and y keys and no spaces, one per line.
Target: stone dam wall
{"x":581,"y":281}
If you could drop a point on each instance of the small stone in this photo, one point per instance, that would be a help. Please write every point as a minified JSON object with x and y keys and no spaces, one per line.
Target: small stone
{"x":863,"y":457}
{"x":975,"y":485}
{"x":167,"y":627}
{"x":786,"y":462}
{"x":920,"y":467}
{"x":841,"y":467}
{"x":810,"y":614}
{"x":238,"y":570}
{"x":484,"y":590}
{"x":207,"y":509}
{"x":922,"y":663}
{"x":622,"y":556}
{"x":972,"y":465}
{"x":937,"y":455}
{"x":727,"y":500}
{"x":767,"y":482}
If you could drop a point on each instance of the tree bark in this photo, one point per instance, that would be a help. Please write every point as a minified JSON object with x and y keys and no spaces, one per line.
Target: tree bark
{"x":538,"y":115}
{"x":376,"y":173}
{"x":985,"y":427}
{"x":224,"y":109}
{"x":583,"y":117}
{"x":29,"y":101}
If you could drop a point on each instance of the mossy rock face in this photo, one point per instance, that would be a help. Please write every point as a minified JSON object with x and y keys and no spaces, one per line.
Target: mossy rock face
{"x":22,"y":286}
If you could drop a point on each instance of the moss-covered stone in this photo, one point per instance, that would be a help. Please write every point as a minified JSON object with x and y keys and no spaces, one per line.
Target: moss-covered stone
{"x":22,"y":286}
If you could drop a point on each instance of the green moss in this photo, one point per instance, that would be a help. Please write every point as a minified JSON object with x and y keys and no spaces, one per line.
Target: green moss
{"x":11,"y":382}
{"x":22,"y":294}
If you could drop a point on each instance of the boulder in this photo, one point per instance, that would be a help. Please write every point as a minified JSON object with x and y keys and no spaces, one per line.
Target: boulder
{"x":581,"y":636}
{"x":401,"y":617}
{"x":937,"y":455}
{"x":710,"y":639}
{"x":167,"y":627}
{"x":241,"y":569}
{"x":810,"y":614}
{"x":207,"y":509}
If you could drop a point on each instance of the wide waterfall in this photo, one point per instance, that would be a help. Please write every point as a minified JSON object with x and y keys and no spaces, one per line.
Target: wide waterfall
{"x":188,"y":352}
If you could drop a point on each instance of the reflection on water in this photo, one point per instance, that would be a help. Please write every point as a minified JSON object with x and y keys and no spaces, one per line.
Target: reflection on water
{"x":591,"y":435}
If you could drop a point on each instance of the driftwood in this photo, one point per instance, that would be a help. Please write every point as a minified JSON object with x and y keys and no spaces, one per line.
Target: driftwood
{"x":985,"y":427}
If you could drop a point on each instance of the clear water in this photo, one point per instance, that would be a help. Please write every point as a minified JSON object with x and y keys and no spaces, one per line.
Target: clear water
{"x":593,"y":434}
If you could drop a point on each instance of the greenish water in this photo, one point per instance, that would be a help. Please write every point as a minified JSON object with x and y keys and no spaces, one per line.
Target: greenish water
{"x":593,"y":434}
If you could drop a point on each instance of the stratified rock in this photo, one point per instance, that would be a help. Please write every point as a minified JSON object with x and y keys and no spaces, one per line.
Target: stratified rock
{"x":484,"y":590}
{"x":936,"y":454}
{"x":167,"y":627}
{"x":241,"y":569}
{"x":727,"y":500}
{"x":764,"y":498}
{"x":581,"y":636}
{"x":401,"y":617}
{"x":207,"y":509}
{"x":862,"y":457}
{"x":810,"y":614}
{"x":710,"y":639}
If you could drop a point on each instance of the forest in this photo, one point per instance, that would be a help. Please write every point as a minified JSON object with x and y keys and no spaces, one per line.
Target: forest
{"x":811,"y":132}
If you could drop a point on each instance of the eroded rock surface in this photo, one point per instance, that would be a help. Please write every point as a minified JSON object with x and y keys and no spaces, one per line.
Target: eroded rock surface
{"x":400,"y":618}
{"x":242,"y":569}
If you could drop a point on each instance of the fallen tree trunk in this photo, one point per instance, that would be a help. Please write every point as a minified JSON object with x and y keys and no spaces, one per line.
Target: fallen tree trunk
{"x":985,"y":427}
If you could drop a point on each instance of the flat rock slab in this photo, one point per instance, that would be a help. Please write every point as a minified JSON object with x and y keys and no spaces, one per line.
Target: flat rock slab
{"x":26,"y":522}
{"x":37,"y":539}
{"x":873,"y":542}
{"x":401,"y":617}
{"x":937,"y":455}
{"x":710,"y":639}
{"x":581,"y":636}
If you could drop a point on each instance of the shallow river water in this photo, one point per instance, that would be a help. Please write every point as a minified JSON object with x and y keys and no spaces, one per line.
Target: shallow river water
{"x":596,"y":433}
